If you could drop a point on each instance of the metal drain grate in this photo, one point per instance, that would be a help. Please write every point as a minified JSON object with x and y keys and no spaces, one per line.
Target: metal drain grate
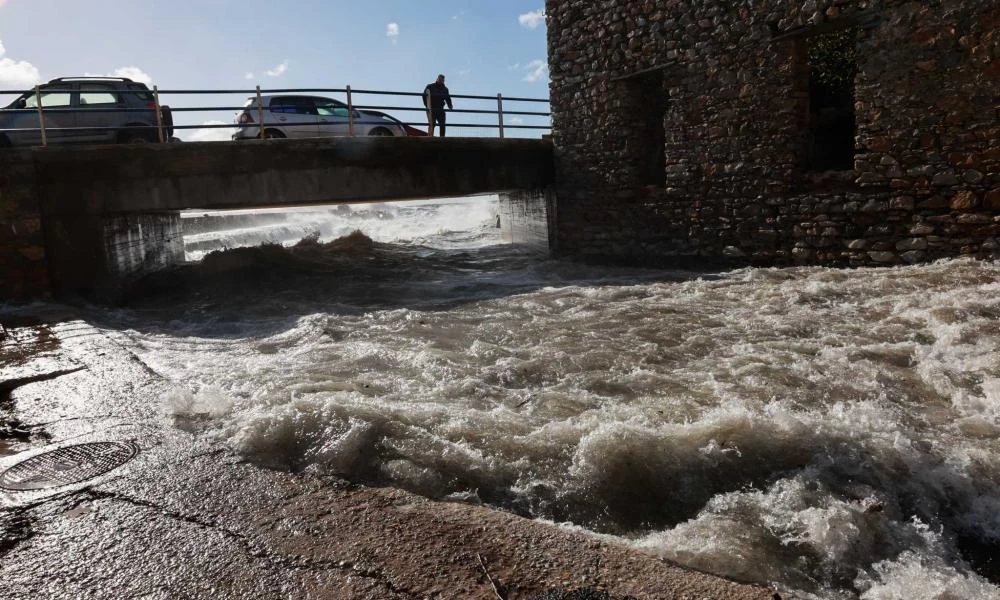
{"x":67,"y":465}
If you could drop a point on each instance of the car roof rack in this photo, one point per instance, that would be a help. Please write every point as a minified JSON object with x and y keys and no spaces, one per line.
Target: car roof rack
{"x":88,"y":77}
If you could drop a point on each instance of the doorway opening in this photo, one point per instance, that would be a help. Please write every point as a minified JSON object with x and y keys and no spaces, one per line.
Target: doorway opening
{"x":832,"y":60}
{"x":646,"y":108}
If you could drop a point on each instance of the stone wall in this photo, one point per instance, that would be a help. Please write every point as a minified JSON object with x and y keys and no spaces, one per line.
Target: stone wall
{"x":926,"y":177}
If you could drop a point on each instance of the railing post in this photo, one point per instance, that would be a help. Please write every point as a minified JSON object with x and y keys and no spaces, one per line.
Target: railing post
{"x":350,"y":113}
{"x":41,"y":115}
{"x":159,"y":114}
{"x":260,"y":113}
{"x":500,"y":113}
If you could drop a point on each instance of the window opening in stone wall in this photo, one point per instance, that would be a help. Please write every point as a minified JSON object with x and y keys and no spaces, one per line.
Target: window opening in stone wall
{"x":833,"y":65}
{"x":646,"y":109}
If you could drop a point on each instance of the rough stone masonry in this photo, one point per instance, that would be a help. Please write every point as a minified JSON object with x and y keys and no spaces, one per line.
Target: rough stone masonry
{"x":687,"y":129}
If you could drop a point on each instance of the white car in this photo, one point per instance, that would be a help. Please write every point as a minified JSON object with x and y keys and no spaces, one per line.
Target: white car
{"x":294,"y":116}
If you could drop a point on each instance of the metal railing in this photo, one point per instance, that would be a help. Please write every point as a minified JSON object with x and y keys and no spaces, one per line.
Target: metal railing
{"x":499,"y":106}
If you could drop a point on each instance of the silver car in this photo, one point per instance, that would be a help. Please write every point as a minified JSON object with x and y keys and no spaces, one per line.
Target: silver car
{"x":84,"y":110}
{"x":296,"y":116}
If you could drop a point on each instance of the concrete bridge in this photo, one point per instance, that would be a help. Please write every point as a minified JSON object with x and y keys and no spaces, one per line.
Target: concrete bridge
{"x":86,"y":220}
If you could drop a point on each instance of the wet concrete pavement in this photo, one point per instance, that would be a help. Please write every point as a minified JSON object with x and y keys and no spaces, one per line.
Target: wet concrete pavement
{"x":188,"y":519}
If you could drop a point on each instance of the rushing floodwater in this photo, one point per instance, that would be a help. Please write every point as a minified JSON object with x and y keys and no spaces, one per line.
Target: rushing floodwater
{"x":836,"y":432}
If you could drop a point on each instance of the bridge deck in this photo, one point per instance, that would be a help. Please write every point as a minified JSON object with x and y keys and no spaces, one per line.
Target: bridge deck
{"x":152,"y":178}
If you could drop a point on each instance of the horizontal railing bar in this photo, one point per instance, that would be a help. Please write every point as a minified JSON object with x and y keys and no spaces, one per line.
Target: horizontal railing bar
{"x":78,"y":109}
{"x":133,"y":90}
{"x":460,"y":96}
{"x":33,"y":111}
{"x":420,"y":95}
{"x":93,"y":90}
{"x":94,"y":107}
{"x":254,"y":126}
{"x":234,"y":109}
{"x":253,"y":92}
{"x":457,"y":110}
{"x":371,"y":107}
{"x":517,"y":99}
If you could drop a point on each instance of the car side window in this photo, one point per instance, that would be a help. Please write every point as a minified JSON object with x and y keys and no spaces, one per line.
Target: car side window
{"x":292,"y":105}
{"x":305,"y":106}
{"x":280,"y":105}
{"x":50,"y":99}
{"x":97,"y":95}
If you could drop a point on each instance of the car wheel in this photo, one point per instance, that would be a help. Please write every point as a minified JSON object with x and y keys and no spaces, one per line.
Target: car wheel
{"x":380,"y":132}
{"x":273,"y":134}
{"x":134,"y":137}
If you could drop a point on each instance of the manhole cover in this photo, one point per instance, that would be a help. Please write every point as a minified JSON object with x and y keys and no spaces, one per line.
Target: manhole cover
{"x":67,"y":465}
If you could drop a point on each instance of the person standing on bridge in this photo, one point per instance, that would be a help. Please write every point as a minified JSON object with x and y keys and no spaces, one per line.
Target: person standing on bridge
{"x":436,"y":95}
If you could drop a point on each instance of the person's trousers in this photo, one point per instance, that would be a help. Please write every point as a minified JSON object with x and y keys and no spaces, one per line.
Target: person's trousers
{"x":437,"y":115}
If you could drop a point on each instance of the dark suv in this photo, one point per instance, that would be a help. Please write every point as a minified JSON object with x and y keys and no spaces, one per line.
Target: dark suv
{"x":85,"y":110}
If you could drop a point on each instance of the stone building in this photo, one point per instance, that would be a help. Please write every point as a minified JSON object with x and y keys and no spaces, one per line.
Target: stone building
{"x":705,"y":128}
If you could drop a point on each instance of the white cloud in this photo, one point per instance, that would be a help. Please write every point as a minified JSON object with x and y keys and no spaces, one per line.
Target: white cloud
{"x":279,"y":70}
{"x":532,"y":19}
{"x":537,"y":70}
{"x":392,"y":32}
{"x":220,"y":134}
{"x":133,"y":73}
{"x":514,"y":67}
{"x":465,"y":72}
{"x":17,"y":74}
{"x":515,"y":121}
{"x":249,"y":75}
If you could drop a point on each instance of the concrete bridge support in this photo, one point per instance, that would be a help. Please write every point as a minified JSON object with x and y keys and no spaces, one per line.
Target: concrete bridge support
{"x":97,"y":256}
{"x":528,"y":219}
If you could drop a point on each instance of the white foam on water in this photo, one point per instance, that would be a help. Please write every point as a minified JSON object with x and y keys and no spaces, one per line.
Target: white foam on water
{"x":441,"y":223}
{"x":923,"y":577}
{"x":835,"y":432}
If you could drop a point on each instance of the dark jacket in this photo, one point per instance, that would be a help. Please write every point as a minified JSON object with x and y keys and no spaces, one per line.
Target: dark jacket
{"x":438,"y":94}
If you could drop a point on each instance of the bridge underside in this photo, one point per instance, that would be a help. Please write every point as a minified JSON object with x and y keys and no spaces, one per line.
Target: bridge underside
{"x":88,"y":219}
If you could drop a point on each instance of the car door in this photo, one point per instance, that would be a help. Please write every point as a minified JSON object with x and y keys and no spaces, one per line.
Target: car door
{"x":60,"y":118}
{"x":295,"y":116}
{"x":101,"y":108}
{"x":333,"y":120}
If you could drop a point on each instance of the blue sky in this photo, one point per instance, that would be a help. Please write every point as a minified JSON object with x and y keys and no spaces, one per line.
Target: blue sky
{"x":483,"y":46}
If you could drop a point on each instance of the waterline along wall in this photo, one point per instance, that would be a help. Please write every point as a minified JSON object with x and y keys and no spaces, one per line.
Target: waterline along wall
{"x":775,"y":131}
